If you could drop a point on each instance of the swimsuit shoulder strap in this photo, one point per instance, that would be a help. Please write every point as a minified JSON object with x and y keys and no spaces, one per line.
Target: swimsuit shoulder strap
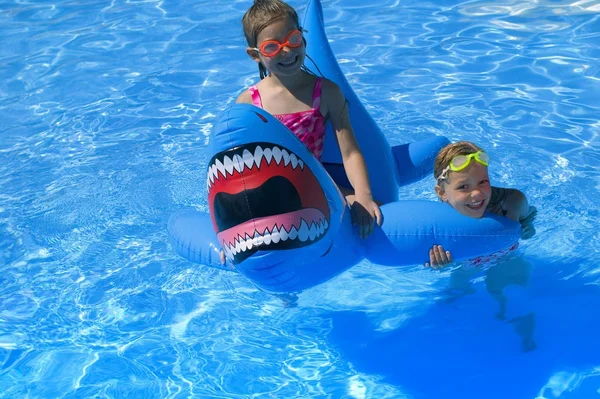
{"x":316,"y":98}
{"x":256,"y":100}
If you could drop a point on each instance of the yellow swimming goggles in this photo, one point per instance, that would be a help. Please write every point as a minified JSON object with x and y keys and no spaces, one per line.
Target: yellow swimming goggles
{"x":460,"y":162}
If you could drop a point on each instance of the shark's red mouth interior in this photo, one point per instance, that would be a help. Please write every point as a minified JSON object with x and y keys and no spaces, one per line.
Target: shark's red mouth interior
{"x":263,"y":196}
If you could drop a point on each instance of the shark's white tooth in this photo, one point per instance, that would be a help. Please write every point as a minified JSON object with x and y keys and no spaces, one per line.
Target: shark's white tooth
{"x":238,"y":163}
{"x":277,"y":155}
{"x":318,"y":227}
{"x":257,"y":239}
{"x":243,"y":245}
{"x":227,"y":249}
{"x":248,"y":240}
{"x":325,"y":224}
{"x":286,"y":157}
{"x":321,"y":227}
{"x":294,"y":160}
{"x":293,"y":233}
{"x":312,"y":232}
{"x":258,"y":154}
{"x":214,"y":173}
{"x":234,"y":247}
{"x":275,"y":235}
{"x":248,"y":159}
{"x":301,"y":164}
{"x":220,"y":167}
{"x":303,"y":231}
{"x":283,"y":234}
{"x":268,"y":154}
{"x":267,"y":238}
{"x":228,"y":164}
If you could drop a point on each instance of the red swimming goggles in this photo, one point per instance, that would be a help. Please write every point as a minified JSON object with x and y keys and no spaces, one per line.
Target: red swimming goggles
{"x":270,"y":48}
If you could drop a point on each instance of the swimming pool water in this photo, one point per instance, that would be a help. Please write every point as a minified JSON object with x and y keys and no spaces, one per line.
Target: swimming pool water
{"x":105,"y":109}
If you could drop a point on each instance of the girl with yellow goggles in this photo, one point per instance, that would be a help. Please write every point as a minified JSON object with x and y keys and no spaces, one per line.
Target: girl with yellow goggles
{"x":469,"y":192}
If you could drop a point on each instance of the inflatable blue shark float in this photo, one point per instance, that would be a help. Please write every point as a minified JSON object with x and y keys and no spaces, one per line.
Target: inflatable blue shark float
{"x":277,"y":212}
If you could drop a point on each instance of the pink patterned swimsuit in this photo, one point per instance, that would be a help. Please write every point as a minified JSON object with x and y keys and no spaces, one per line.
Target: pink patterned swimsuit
{"x":308,"y":126}
{"x":491,"y":259}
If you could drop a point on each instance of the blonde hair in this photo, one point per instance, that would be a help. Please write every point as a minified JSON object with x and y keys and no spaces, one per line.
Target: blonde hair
{"x":262,"y":14}
{"x":446,"y":154}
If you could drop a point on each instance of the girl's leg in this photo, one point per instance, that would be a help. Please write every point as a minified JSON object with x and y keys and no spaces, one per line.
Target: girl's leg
{"x":507,"y":283}
{"x":460,"y":280}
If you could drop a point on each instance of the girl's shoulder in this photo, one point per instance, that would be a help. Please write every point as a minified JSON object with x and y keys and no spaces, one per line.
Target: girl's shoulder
{"x":329,"y":87}
{"x":508,"y":202}
{"x":331,"y":94}
{"x":518,"y":204}
{"x":245,"y":97}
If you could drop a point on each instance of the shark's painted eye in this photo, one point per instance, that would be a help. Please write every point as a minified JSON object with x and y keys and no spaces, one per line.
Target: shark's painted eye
{"x":262,"y":117}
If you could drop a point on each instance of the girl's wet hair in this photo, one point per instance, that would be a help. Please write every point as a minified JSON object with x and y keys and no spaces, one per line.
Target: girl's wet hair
{"x":444,"y":157}
{"x":262,"y":14}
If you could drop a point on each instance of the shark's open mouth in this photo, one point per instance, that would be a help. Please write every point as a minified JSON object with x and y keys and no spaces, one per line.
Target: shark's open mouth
{"x":263,"y":196}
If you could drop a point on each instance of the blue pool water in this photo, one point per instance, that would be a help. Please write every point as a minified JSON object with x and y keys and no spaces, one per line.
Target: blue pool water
{"x":105,"y":109}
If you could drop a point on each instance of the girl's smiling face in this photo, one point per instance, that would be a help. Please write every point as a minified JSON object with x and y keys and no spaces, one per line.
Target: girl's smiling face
{"x":468,"y":191}
{"x":290,"y":59}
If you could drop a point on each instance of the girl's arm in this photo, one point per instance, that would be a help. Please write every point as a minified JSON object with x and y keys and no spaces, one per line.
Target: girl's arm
{"x":509,"y":202}
{"x":513,"y":204}
{"x":354,"y":163}
{"x":523,"y":212}
{"x":518,"y":202}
